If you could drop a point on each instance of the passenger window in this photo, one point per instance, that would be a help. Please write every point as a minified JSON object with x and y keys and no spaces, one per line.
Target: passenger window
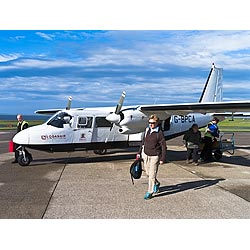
{"x":101,"y":122}
{"x":85,"y":122}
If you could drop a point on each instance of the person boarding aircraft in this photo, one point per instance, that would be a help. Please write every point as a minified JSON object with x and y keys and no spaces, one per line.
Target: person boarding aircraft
{"x":100,"y":129}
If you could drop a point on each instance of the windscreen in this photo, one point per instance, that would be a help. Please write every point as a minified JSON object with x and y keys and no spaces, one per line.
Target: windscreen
{"x":59,"y":119}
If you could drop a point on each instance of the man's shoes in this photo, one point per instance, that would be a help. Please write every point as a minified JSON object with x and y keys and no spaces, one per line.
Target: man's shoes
{"x":157,"y":187}
{"x":15,"y":161}
{"x":189,"y":161}
{"x":196,"y":163}
{"x":147,"y":196}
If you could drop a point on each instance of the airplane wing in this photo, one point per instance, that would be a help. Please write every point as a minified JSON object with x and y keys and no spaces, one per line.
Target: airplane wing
{"x":165,"y":110}
{"x":47,"y":111}
{"x":53,"y":111}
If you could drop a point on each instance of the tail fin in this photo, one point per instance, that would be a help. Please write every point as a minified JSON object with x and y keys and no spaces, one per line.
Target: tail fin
{"x":212,"y":91}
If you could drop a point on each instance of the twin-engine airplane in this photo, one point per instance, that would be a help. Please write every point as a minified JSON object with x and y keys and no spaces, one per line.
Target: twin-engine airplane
{"x":100,"y":129}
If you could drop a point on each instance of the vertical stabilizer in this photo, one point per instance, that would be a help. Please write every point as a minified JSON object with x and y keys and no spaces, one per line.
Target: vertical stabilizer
{"x":212,"y":91}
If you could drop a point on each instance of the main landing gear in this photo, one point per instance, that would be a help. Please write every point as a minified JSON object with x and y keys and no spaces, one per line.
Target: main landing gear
{"x":100,"y":151}
{"x":24,"y":158}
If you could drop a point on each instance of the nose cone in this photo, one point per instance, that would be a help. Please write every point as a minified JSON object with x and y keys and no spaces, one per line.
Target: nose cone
{"x":22,"y":137}
{"x":113,"y":118}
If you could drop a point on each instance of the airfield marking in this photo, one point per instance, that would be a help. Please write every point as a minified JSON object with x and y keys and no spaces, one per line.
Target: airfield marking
{"x":4,"y":141}
{"x":5,"y":157}
{"x":245,"y":151}
{"x":50,"y":198}
{"x":217,"y":184}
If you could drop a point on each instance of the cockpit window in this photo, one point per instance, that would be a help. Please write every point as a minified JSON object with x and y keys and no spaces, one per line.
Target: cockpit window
{"x":58,"y":120}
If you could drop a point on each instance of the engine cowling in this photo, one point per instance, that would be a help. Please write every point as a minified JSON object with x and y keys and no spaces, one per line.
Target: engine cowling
{"x":133,"y":122}
{"x":130,"y":121}
{"x":124,"y":130}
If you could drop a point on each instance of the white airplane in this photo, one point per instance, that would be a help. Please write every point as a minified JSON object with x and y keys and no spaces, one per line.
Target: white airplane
{"x":100,"y":129}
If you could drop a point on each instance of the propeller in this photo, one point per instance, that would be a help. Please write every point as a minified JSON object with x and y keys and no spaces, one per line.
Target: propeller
{"x":69,"y":103}
{"x":120,"y":103}
{"x":115,"y":117}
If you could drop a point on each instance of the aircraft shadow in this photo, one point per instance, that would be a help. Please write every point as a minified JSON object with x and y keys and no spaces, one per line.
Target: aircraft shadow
{"x":235,"y":159}
{"x":172,"y":156}
{"x":242,"y":147}
{"x":176,"y":155}
{"x":78,"y":159}
{"x":195,"y":185}
{"x":103,"y":158}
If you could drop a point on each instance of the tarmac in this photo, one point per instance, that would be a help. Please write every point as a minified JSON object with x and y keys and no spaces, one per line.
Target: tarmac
{"x":83,"y":185}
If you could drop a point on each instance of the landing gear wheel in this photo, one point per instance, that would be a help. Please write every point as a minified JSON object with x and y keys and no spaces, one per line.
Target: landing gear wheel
{"x":217,"y":155}
{"x":24,"y":161}
{"x":100,"y":151}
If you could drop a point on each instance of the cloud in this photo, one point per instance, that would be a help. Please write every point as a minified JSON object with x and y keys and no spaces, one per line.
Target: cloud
{"x":49,"y":37}
{"x":229,"y":49}
{"x":17,"y":38}
{"x":95,"y":67}
{"x":9,"y":57}
{"x":52,"y":91}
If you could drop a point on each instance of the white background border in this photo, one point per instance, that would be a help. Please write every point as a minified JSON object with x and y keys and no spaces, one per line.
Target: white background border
{"x":130,"y":15}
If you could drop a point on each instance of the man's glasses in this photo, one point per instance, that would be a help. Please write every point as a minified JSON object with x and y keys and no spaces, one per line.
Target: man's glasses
{"x":152,"y":123}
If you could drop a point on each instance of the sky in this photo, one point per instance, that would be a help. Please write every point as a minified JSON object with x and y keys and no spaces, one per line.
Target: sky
{"x":39,"y":69}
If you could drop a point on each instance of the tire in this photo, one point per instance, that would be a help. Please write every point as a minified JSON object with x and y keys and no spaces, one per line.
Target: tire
{"x":100,"y":151}
{"x":24,"y":162}
{"x":217,"y":155}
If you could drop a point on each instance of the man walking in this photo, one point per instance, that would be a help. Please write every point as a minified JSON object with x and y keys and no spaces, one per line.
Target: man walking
{"x":21,"y":125}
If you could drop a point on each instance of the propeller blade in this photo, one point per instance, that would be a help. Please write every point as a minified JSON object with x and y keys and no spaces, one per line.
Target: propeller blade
{"x":69,"y":103}
{"x":115,"y":117}
{"x":107,"y":138}
{"x":120,"y":103}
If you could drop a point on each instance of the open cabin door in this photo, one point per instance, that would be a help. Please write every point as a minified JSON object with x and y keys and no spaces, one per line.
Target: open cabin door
{"x":101,"y":129}
{"x":83,"y":129}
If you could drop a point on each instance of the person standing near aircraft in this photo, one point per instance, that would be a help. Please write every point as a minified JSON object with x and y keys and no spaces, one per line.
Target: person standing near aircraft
{"x":192,"y":141}
{"x":153,"y":153}
{"x":211,"y":133}
{"x":21,"y":125}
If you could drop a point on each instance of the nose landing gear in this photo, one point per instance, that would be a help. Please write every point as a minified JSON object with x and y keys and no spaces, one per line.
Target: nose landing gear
{"x":24,"y":158}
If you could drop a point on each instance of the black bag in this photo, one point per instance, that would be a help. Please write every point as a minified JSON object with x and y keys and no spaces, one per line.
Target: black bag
{"x":136,"y":170}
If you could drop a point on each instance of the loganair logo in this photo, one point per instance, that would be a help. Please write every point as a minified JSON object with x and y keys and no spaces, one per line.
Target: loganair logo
{"x":55,"y":136}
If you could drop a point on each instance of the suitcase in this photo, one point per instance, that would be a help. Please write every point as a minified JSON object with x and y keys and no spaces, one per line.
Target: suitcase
{"x":11,"y":147}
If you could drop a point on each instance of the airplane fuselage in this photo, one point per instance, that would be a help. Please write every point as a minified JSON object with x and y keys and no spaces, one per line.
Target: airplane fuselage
{"x":88,"y":129}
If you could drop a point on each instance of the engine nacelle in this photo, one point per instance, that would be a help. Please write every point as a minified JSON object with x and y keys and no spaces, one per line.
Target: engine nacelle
{"x":124,"y":130}
{"x":130,"y":120}
{"x":133,"y":117}
{"x":127,"y":130}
